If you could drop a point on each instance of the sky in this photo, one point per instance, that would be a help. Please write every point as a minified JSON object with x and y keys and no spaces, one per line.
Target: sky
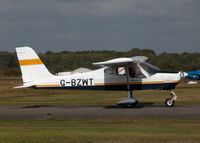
{"x":76,"y":25}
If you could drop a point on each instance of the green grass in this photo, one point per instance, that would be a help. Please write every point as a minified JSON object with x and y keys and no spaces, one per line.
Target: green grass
{"x":11,"y":96}
{"x":95,"y":130}
{"x":101,"y":130}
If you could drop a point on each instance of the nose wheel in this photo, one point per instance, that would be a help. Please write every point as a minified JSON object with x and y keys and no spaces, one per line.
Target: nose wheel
{"x":169,"y":102}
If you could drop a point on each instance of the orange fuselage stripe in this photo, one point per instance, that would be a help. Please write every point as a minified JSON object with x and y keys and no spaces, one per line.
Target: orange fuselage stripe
{"x":48,"y":85}
{"x":30,"y":62}
{"x":120,"y":83}
{"x":117,"y":83}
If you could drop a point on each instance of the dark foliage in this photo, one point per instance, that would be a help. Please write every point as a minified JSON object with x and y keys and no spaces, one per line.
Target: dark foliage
{"x":66,"y":60}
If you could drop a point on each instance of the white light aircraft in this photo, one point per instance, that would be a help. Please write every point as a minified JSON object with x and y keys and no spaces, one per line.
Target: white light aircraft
{"x":126,"y":74}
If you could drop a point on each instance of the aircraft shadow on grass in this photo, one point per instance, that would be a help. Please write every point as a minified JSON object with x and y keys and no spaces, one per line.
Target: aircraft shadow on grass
{"x":139,"y":105}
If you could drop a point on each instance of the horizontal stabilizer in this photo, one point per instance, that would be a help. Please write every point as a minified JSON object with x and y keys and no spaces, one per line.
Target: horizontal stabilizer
{"x":25,"y":86}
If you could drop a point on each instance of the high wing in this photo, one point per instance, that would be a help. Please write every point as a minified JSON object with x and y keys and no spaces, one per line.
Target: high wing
{"x":122,"y":61}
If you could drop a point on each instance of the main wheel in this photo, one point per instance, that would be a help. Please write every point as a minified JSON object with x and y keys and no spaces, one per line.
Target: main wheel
{"x":169,"y":102}
{"x":130,"y":105}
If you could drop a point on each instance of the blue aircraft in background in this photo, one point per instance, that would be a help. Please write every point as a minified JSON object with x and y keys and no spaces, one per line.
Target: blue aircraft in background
{"x":195,"y":75}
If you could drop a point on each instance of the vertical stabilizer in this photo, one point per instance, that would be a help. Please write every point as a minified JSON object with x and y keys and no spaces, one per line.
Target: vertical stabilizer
{"x":32,"y":68}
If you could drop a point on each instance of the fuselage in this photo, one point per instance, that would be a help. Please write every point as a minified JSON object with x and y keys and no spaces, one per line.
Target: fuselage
{"x":117,"y":74}
{"x":102,"y":79}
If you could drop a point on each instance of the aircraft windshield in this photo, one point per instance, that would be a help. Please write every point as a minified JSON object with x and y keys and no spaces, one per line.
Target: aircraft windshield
{"x":151,"y":69}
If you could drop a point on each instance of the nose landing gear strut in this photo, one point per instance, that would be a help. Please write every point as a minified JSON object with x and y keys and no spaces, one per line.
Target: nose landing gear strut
{"x":169,"y":102}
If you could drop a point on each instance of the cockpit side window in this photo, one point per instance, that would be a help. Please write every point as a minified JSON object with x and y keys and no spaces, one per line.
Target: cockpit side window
{"x":115,"y":70}
{"x":109,"y":70}
{"x":135,"y":72}
{"x":120,"y":71}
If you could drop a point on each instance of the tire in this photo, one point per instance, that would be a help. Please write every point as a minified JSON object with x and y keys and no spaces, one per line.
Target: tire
{"x":169,"y":102}
{"x":131,"y":105}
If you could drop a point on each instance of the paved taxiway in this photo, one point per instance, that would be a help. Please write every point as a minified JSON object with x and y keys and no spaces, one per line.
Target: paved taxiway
{"x":80,"y":112}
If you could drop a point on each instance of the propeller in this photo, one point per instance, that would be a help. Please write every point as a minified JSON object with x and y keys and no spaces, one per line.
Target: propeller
{"x":184,"y":75}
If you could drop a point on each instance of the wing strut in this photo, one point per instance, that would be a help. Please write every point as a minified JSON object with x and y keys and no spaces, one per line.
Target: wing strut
{"x":128,"y":83}
{"x":130,"y":101}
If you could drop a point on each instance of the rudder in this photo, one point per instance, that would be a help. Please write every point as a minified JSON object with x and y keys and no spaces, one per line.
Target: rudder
{"x":32,"y":68}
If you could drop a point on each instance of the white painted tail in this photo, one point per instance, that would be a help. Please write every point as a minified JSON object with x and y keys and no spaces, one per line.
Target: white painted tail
{"x":32,"y":68}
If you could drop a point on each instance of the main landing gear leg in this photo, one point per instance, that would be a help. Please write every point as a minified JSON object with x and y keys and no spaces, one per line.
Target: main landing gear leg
{"x":169,"y":102}
{"x":130,"y":101}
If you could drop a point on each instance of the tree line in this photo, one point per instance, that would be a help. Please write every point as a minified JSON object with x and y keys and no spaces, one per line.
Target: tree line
{"x":68,"y":61}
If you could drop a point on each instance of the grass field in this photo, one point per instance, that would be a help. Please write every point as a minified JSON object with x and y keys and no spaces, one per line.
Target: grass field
{"x":101,"y":130}
{"x":11,"y":96}
{"x":96,"y":130}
